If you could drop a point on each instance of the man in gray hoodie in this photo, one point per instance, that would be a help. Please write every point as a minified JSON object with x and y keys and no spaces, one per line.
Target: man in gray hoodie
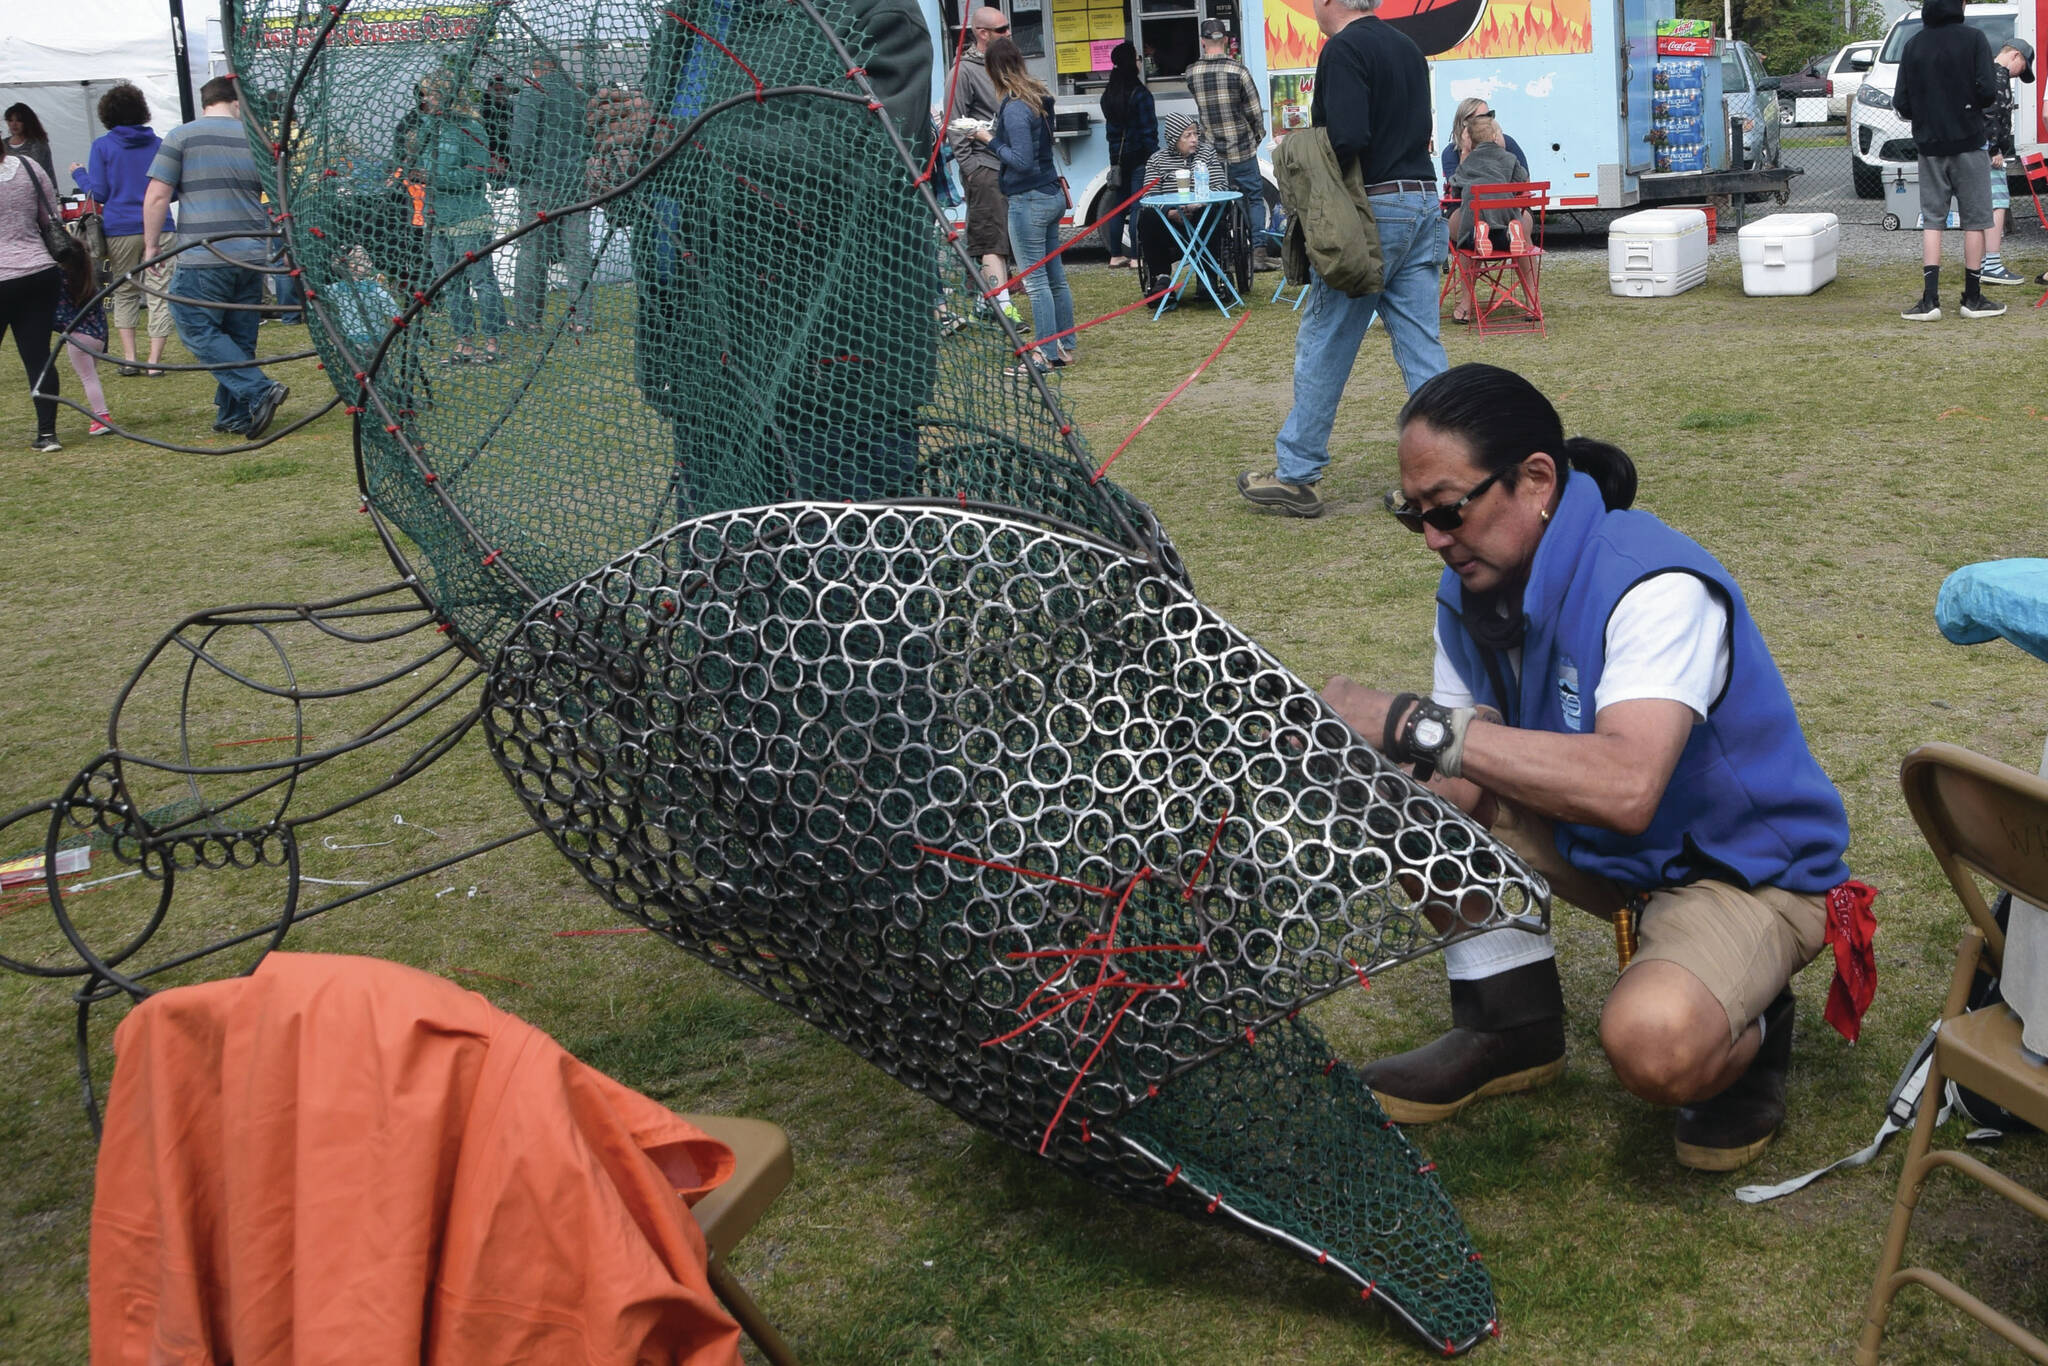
{"x":975,"y":98}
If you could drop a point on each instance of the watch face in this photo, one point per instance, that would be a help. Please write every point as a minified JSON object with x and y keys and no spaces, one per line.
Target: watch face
{"x":1429,"y":733}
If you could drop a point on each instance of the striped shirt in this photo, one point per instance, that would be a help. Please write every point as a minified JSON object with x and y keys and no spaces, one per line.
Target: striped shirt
{"x":207,"y":163}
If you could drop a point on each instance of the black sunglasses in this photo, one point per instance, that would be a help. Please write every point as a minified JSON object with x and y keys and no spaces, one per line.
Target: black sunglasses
{"x":1447,"y":517}
{"x":986,"y":29}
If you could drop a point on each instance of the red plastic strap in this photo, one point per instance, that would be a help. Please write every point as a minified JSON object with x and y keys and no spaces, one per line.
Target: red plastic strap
{"x":1251,"y":1038}
{"x":1086,"y":1137}
{"x":1173,"y":1175}
{"x":317,"y":233}
{"x":1214,"y":1201}
{"x":1177,"y":391}
{"x":1366,"y":1293}
{"x":1361,"y":973}
{"x":1329,"y":1067}
{"x":540,"y":215}
{"x":491,"y":559}
{"x":1322,"y":1259}
{"x":1082,"y":327}
{"x":1425,"y":1169}
{"x":760,"y":91}
{"x":1080,"y":234}
{"x":1214,"y":835}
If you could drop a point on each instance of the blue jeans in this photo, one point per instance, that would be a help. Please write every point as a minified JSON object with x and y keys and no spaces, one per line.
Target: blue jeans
{"x":1246,"y":180}
{"x":1034,"y":231}
{"x":290,"y":293}
{"x":490,"y":300}
{"x":223,"y":336}
{"x":1412,"y":243}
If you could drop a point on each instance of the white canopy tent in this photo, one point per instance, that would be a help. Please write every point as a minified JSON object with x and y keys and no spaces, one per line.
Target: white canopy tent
{"x":58,"y":57}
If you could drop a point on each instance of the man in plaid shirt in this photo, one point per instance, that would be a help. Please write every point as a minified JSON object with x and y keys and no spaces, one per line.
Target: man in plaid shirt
{"x":1227,"y":99}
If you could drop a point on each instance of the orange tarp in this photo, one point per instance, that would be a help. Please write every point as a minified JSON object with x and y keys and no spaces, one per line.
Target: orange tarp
{"x":343,"y":1160}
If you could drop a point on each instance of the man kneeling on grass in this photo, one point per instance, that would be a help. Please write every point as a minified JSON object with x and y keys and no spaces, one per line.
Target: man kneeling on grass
{"x":1605,"y":703}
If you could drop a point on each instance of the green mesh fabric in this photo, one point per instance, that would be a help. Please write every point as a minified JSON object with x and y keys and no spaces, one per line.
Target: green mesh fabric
{"x":815,"y":643}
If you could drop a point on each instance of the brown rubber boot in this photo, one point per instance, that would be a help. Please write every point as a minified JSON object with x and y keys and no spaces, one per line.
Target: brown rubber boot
{"x":1506,"y":1035}
{"x":1731,"y":1130}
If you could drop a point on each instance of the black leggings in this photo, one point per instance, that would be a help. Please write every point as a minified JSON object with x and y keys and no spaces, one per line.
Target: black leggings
{"x":28,"y":303}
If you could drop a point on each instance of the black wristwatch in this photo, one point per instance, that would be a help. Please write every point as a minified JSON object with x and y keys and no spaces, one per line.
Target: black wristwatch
{"x":1425,"y":735}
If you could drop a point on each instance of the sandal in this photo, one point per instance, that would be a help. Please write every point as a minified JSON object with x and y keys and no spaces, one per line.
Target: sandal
{"x":1025,"y":369}
{"x":1119,"y":262}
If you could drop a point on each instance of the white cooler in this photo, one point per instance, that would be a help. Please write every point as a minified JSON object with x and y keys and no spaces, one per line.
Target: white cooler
{"x":1656,"y":252}
{"x":1789,"y":253}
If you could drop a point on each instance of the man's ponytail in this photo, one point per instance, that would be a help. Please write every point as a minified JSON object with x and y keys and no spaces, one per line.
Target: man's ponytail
{"x":1609,"y":467}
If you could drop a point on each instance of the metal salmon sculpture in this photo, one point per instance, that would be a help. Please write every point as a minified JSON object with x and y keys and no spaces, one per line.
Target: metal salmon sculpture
{"x":792,"y":608}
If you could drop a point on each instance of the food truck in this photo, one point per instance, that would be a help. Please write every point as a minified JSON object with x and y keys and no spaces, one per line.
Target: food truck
{"x":1574,"y":81}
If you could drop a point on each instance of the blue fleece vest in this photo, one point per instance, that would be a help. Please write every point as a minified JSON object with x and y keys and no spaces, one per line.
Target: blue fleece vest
{"x":1747,"y":804}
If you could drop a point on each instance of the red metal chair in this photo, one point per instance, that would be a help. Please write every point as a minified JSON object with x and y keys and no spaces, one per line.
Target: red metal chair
{"x":1502,"y":285}
{"x":2036,"y":167}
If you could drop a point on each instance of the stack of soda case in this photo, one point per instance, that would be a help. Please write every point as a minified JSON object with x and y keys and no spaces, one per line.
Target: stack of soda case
{"x":1678,"y":126}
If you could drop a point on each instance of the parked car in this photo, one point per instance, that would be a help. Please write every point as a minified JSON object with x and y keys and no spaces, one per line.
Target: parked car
{"x":1749,"y":95}
{"x":1879,"y":140}
{"x":1845,"y":73}
{"x":1809,"y":82}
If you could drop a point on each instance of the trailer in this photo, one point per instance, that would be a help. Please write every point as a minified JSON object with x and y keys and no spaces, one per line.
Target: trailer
{"x":1571,"y":79}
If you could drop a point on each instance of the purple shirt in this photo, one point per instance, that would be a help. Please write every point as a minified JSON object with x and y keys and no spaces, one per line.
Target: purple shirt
{"x":26,"y":201}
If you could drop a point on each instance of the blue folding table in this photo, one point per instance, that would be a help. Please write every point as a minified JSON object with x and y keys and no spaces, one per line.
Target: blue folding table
{"x":1190,"y":232}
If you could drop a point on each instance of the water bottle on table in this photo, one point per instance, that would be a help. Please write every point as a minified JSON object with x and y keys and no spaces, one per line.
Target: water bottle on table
{"x":1201,"y":177}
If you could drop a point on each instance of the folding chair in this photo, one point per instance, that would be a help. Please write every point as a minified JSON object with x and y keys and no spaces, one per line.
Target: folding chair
{"x":1502,"y":286}
{"x":731,"y":1211}
{"x":1982,"y":819}
{"x":2036,"y":167}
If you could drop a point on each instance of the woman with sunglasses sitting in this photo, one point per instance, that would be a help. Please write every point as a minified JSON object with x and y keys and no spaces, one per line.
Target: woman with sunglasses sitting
{"x":1604,"y":701}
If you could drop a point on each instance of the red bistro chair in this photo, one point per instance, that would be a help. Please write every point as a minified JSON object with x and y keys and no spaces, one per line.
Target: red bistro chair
{"x":1502,"y":286}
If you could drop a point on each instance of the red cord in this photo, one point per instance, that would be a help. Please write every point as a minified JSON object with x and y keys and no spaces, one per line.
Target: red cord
{"x":760,"y":91}
{"x":1082,"y":327}
{"x":1177,"y":391}
{"x":1080,"y":235}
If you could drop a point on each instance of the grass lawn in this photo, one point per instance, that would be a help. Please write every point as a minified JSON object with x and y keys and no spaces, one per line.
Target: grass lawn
{"x":1839,"y":460}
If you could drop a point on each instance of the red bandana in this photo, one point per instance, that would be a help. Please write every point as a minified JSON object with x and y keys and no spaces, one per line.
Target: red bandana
{"x":1851,"y":926}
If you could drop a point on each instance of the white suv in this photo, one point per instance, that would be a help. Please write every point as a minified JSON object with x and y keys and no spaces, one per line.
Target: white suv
{"x":1878,"y":137}
{"x":1845,"y":76}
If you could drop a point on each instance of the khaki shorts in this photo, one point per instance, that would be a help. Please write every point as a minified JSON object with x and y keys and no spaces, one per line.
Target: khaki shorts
{"x":125,"y":304}
{"x":1744,"y":945}
{"x":988,"y":214}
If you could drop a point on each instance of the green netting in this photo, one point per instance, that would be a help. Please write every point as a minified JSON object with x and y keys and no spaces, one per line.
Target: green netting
{"x":814,"y":641}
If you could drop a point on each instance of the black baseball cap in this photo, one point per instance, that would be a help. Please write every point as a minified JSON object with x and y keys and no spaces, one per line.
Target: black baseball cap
{"x":2026,"y":51}
{"x":1215,"y":28}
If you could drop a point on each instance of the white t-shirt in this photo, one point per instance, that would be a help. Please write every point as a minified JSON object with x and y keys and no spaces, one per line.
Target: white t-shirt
{"x":1668,"y":638}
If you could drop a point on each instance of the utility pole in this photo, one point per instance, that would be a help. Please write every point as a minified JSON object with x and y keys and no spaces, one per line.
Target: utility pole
{"x":1727,"y":17}
{"x":185,"y":103}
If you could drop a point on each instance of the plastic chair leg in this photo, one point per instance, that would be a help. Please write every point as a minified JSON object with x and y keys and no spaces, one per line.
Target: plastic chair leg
{"x":751,"y":1320}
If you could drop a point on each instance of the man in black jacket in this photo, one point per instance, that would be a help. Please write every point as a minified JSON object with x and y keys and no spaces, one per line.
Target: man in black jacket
{"x":1946,"y":81}
{"x":1372,"y":95}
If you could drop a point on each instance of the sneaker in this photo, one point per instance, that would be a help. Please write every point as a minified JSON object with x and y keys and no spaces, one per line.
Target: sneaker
{"x":2001,"y":276}
{"x":1269,"y":490}
{"x":47,"y":444}
{"x":1926,"y":311}
{"x":102,"y":423}
{"x":1014,"y":314}
{"x":1980,"y":307}
{"x":266,"y":409}
{"x":2042,"y":278}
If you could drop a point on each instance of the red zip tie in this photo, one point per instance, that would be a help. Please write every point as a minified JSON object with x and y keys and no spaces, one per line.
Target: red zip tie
{"x":1329,"y":1067}
{"x":1177,"y":391}
{"x":1214,"y":1201}
{"x":540,"y":215}
{"x":295,"y":272}
{"x":1366,"y":1293}
{"x":315,"y":231}
{"x":311,"y":293}
{"x":1475,"y":1257}
{"x":1450,"y":1349}
{"x":1322,"y":1259}
{"x":760,"y":91}
{"x":491,"y":558}
{"x":444,"y":628}
{"x":1085,"y":1136}
{"x":1361,"y":973}
{"x":1214,"y":835}
{"x":1493,"y":1328}
{"x":1251,"y":1038}
{"x":1173,"y":1175}
{"x":1078,"y":327}
{"x":1080,"y":234}
{"x":1425,"y":1169}
{"x":1013,"y":868}
{"x":1151,"y":1091}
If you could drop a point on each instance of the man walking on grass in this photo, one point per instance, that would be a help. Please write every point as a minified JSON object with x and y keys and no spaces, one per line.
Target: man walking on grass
{"x":206,"y":165}
{"x":1946,"y":82}
{"x":1227,"y":101}
{"x":1372,"y":98}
